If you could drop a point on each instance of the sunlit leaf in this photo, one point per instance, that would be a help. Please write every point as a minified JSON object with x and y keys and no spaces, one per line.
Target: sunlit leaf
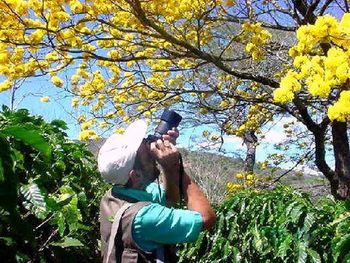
{"x":29,"y":136}
{"x":34,"y":200}
{"x":68,"y":242}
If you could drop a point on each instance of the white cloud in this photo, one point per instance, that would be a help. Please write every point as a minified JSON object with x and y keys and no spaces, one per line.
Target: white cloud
{"x":233,"y":139}
{"x":307,"y":170}
{"x":274,"y":136}
{"x":274,"y":133}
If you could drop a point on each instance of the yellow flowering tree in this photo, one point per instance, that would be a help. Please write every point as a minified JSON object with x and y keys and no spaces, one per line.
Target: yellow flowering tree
{"x":221,"y":60}
{"x":317,"y":86}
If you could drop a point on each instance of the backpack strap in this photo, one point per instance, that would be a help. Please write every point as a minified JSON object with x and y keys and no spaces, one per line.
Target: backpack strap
{"x":160,"y":255}
{"x":114,"y":229}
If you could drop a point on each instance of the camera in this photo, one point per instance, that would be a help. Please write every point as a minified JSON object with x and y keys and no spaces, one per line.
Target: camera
{"x":168,"y":120}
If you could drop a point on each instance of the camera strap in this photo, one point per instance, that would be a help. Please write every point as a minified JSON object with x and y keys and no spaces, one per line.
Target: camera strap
{"x":181,"y":174}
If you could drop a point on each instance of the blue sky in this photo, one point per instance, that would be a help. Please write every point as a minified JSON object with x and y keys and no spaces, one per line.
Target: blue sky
{"x":28,"y":96}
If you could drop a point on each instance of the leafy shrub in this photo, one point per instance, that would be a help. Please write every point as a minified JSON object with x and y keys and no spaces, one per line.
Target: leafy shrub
{"x":49,"y":192}
{"x":281,"y":225}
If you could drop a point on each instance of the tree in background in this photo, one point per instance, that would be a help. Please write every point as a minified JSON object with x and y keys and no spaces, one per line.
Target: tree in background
{"x":225,"y":61}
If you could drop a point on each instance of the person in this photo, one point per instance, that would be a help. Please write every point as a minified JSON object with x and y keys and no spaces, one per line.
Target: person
{"x":138,"y":221}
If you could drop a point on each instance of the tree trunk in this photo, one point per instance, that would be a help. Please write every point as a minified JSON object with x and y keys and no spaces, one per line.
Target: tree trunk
{"x":250,"y":140}
{"x":320,"y":159}
{"x":342,"y":160}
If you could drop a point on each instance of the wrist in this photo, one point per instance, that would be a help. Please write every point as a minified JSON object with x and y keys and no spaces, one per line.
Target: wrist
{"x":171,"y":169}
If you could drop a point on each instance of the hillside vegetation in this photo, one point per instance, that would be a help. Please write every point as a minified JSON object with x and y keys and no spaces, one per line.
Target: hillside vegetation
{"x":213,"y":171}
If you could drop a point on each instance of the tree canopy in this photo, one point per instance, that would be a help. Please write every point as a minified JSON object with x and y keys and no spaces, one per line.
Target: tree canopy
{"x":234,"y":63}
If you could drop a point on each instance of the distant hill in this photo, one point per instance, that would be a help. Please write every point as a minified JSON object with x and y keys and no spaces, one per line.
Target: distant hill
{"x":213,"y":171}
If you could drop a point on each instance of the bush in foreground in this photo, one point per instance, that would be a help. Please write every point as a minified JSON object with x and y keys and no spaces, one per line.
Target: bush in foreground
{"x":281,"y":225}
{"x":49,"y":193}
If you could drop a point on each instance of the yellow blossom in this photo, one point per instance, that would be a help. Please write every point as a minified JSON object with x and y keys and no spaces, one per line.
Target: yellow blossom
{"x":250,"y":177}
{"x":103,"y":125}
{"x":239,"y":176}
{"x":88,"y":134}
{"x":7,"y":84}
{"x":283,"y":95}
{"x":75,"y":102}
{"x":81,"y":118}
{"x":119,"y":130}
{"x":233,"y":187}
{"x":45,"y":99}
{"x":57,"y":81}
{"x":340,"y":111}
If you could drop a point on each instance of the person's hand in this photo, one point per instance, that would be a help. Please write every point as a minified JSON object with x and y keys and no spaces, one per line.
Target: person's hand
{"x":171,"y":136}
{"x":166,"y":154}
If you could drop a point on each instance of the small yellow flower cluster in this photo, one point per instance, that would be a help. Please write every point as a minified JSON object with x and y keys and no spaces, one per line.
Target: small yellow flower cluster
{"x":87,"y":125}
{"x":256,"y":116}
{"x":45,"y":99}
{"x":277,"y":158}
{"x":103,"y":125}
{"x":14,"y":63}
{"x":255,"y":38}
{"x":75,"y":102}
{"x":88,"y":135}
{"x":7,"y":84}
{"x":320,"y":69}
{"x":233,"y":187}
{"x":263,"y":165}
{"x":173,"y":10}
{"x":57,"y":81}
{"x":246,"y":179}
{"x":119,"y":130}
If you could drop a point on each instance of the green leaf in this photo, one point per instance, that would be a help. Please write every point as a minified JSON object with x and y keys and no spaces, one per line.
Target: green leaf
{"x":9,"y":241}
{"x":314,"y":256}
{"x":65,"y":198}
{"x":60,"y":165}
{"x":60,"y":124}
{"x":257,"y":240}
{"x":296,"y":213}
{"x":302,"y":254}
{"x":22,"y":257}
{"x":341,"y":218}
{"x":9,"y":182}
{"x":68,"y":242}
{"x":236,"y":255}
{"x":284,"y":246}
{"x":34,"y":200}
{"x":342,"y":247}
{"x":2,"y":176}
{"x":309,"y":221}
{"x":61,"y":224}
{"x":29,"y":136}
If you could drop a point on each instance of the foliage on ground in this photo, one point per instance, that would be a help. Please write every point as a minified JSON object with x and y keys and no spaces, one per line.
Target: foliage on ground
{"x":49,"y":192}
{"x":281,"y":225}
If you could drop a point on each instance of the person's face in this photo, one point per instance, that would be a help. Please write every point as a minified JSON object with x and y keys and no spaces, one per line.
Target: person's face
{"x":148,"y":169}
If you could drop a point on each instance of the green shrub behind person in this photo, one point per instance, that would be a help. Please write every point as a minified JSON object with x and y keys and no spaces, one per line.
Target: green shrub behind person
{"x":281,"y":225}
{"x":49,"y":192}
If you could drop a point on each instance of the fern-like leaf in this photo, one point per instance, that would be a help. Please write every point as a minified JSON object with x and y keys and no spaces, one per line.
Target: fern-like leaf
{"x":34,"y":200}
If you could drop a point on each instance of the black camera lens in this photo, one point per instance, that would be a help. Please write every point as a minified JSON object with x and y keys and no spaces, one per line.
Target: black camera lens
{"x":169,"y":119}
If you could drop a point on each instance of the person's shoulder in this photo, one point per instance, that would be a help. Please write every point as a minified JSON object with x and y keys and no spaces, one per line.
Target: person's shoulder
{"x":154,"y":187}
{"x":158,"y":193}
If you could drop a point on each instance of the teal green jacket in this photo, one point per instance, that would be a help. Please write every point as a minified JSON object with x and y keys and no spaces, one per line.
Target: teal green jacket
{"x":155,"y":224}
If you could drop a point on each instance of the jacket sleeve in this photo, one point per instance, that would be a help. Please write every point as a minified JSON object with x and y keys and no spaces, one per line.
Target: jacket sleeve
{"x":155,"y":225}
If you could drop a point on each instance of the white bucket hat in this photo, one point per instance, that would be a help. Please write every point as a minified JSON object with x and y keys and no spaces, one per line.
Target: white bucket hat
{"x":117,"y":155}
